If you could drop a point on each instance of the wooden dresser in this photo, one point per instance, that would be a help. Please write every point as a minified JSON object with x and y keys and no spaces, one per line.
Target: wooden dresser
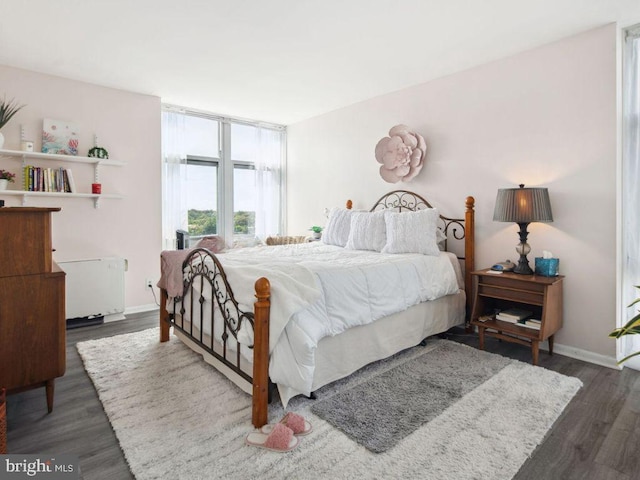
{"x":32,"y":302}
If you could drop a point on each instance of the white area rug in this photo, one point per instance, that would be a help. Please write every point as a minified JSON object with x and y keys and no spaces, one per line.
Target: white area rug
{"x":176,"y":417}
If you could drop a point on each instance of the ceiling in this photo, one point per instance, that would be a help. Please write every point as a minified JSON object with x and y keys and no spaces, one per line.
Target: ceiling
{"x":281,"y":61}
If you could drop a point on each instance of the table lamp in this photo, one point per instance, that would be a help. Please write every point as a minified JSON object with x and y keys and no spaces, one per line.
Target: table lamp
{"x":523,"y":206}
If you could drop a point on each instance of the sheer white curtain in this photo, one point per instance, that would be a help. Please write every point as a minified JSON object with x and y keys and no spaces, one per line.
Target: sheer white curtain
{"x":174,"y":177}
{"x":269,"y":161}
{"x":630,"y":190}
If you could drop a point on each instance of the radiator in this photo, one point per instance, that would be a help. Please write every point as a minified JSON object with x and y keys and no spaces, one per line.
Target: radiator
{"x":95,"y":288}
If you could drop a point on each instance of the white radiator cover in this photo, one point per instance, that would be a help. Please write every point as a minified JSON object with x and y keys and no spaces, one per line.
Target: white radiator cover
{"x":95,"y":287}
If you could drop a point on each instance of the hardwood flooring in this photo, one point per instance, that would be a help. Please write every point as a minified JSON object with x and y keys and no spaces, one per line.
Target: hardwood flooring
{"x":597,"y":436}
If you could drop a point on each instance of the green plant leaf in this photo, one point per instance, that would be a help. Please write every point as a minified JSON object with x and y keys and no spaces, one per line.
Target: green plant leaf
{"x":634,"y":322}
{"x":8,"y":110}
{"x":628,"y":357}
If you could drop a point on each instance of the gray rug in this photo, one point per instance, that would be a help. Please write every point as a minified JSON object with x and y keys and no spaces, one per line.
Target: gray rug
{"x":384,"y":409}
{"x":176,"y":417}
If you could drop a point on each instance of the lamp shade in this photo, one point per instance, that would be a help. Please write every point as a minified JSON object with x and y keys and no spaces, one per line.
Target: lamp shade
{"x":523,"y":205}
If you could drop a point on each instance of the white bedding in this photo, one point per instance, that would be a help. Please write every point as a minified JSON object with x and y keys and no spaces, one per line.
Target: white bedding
{"x":320,"y":290}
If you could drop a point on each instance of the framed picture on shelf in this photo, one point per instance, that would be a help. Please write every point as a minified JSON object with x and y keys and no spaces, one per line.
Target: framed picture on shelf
{"x":59,"y":137}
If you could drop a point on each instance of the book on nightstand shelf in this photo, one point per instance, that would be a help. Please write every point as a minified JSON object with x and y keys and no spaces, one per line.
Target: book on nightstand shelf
{"x":532,"y":323}
{"x":513,"y":315}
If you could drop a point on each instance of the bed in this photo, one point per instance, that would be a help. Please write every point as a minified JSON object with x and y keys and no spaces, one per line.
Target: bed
{"x":301,"y":316}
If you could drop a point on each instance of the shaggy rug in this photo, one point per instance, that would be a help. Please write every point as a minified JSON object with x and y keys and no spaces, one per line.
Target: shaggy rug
{"x":387,"y":407}
{"x":177,"y":417}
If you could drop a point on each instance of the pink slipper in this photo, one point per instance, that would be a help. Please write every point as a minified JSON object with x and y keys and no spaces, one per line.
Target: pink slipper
{"x":280,"y":439}
{"x":295,"y":422}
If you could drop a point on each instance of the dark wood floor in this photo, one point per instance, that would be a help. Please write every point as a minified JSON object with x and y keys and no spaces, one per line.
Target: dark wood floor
{"x":597,"y":436}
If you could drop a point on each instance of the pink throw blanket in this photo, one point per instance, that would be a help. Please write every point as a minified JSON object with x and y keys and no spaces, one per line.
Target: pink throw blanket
{"x":171,"y":261}
{"x":171,"y":271}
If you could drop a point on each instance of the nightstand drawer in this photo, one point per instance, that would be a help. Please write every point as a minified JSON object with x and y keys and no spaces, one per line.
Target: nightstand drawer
{"x":511,"y":283}
{"x":516,"y":295}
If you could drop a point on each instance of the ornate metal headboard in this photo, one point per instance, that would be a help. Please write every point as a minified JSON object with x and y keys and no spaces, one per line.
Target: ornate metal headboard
{"x":403,"y":200}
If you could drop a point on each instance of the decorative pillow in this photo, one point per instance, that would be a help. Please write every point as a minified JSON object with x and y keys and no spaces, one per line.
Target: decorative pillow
{"x":441,"y":238}
{"x":367,"y":231}
{"x":337,"y":230}
{"x":412,"y":232}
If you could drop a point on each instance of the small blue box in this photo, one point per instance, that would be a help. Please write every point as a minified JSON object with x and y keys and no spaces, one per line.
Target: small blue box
{"x":547,"y":267}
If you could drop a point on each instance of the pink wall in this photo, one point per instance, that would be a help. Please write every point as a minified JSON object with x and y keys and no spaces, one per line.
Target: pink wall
{"x":128,"y":126}
{"x":546,"y":117}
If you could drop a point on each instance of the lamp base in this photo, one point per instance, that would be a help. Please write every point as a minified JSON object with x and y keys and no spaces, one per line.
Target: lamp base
{"x":523,"y":249}
{"x":523,"y":267}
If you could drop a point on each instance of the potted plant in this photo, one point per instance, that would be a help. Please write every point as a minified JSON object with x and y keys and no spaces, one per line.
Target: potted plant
{"x":5,"y":178}
{"x":317,"y":232}
{"x":7,"y":111}
{"x":631,"y":328}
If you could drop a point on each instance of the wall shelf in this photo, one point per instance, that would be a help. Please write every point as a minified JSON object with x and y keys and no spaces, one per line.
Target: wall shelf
{"x":96,"y":162}
{"x":62,"y":158}
{"x":96,"y":197}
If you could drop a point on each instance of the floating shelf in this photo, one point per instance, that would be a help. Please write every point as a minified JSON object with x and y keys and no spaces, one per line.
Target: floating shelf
{"x":96,"y":162}
{"x":96,"y":197}
{"x":62,"y":158}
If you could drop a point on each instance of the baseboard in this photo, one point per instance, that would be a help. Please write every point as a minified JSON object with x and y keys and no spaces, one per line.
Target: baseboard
{"x":150,"y":307}
{"x":114,"y":317}
{"x":584,"y":355}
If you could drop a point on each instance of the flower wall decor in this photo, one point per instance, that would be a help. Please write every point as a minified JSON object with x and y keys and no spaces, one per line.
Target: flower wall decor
{"x":401,"y":154}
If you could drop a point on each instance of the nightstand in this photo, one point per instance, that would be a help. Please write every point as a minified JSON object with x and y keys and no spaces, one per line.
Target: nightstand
{"x":496,"y":292}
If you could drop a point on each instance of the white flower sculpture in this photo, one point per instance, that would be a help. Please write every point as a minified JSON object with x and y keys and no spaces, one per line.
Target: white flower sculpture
{"x":401,"y":154}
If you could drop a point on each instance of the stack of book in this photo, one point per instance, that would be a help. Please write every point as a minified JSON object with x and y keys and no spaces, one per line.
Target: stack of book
{"x":532,"y":323}
{"x":513,"y":315}
{"x":37,"y":179}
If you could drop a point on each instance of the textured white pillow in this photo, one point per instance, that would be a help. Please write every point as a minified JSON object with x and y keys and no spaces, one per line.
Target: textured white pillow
{"x":337,"y":230}
{"x":412,"y":232}
{"x":367,"y":231}
{"x":441,"y":238}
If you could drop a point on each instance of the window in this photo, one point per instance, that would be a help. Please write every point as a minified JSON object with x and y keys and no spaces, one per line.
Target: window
{"x":630,"y":195}
{"x":221,"y":177}
{"x":202,"y":202}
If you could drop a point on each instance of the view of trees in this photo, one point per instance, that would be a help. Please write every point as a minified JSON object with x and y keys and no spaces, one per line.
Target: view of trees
{"x":205,"y":222}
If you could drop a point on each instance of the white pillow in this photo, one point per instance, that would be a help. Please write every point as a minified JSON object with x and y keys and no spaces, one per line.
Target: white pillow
{"x":441,"y":238}
{"x":367,"y":231}
{"x":412,"y":232}
{"x":337,"y":230}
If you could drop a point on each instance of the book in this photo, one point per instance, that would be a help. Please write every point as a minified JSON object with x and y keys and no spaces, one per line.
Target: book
{"x":506,"y":318}
{"x":534,"y":325}
{"x":72,"y":185}
{"x":514,"y":313}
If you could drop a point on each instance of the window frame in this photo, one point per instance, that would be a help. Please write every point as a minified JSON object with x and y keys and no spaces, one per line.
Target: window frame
{"x":226,"y":165}
{"x":205,"y":161}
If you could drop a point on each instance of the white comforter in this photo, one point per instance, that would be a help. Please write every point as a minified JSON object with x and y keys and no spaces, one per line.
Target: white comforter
{"x":320,"y":290}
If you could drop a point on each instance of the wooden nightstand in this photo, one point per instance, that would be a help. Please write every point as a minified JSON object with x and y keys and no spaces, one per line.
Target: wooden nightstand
{"x":541,"y":295}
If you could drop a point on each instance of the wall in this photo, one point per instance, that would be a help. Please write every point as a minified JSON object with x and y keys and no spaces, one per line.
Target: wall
{"x":546,"y":117}
{"x":128,"y":126}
